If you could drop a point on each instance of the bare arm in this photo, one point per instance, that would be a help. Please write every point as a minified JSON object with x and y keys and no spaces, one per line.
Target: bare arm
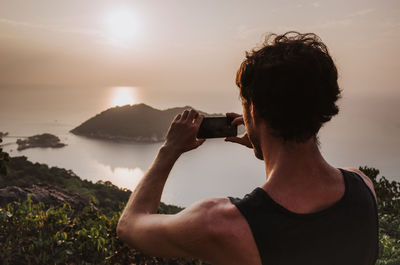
{"x":183,"y":234}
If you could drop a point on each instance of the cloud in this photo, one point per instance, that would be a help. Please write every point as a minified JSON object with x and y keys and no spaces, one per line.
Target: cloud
{"x":335,"y":23}
{"x":362,"y":12}
{"x":244,"y":32}
{"x":347,"y":20}
{"x":316,"y":4}
{"x":80,"y":31}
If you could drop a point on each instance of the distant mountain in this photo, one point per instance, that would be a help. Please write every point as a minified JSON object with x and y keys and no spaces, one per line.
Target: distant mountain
{"x":138,"y":122}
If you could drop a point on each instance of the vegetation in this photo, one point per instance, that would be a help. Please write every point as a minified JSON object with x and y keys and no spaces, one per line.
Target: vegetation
{"x":4,"y":157}
{"x":24,"y":173}
{"x":388,"y":193}
{"x":32,"y":233}
{"x":104,"y":195}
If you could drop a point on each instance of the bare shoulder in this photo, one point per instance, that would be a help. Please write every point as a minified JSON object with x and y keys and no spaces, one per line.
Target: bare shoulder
{"x":366,"y":179}
{"x":216,"y":215}
{"x":208,"y":220}
{"x":228,"y":230}
{"x":221,"y":213}
{"x":207,"y":209}
{"x":212,"y":230}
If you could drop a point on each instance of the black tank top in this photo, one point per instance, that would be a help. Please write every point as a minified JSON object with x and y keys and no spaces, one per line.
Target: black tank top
{"x":346,"y":233}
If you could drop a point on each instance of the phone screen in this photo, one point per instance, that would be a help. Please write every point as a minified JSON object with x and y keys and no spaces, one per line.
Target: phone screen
{"x":215,"y":127}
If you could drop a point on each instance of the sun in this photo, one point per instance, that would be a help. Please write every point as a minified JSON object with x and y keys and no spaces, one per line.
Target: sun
{"x":122,"y":25}
{"x":121,"y":96}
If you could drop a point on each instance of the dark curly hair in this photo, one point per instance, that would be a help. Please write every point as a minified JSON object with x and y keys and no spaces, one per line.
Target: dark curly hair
{"x":292,"y":82}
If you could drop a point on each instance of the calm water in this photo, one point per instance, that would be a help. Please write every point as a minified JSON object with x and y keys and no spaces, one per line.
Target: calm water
{"x":216,"y":168}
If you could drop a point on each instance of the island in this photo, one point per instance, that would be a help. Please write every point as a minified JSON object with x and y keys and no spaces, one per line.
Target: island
{"x":139,"y":123}
{"x":41,"y":140}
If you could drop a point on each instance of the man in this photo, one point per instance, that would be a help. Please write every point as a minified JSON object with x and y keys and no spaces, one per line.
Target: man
{"x":306,"y":212}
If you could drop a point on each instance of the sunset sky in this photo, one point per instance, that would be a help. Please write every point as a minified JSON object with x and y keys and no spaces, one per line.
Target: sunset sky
{"x":66,"y":59}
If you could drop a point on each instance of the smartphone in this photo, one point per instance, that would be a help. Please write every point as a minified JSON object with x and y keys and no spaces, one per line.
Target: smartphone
{"x":215,"y":127}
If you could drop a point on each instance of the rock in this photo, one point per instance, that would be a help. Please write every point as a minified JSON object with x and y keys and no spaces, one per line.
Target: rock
{"x":48,"y":194}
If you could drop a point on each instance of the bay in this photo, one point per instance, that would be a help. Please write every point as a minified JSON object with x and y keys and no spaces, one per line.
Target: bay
{"x":215,"y":169}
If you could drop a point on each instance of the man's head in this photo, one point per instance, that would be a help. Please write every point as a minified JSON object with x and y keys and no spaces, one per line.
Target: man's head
{"x":292,"y":84}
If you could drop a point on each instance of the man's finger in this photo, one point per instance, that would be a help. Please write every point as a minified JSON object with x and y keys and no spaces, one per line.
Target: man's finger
{"x":192,"y":115}
{"x":177,"y":117}
{"x":232,"y":114}
{"x":237,"y":121}
{"x":198,"y":120}
{"x":233,"y":139}
{"x":240,"y":140}
{"x":200,"y":141}
{"x":185,"y":114}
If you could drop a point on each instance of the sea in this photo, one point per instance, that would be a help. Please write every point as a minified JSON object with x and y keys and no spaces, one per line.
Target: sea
{"x":215,"y":169}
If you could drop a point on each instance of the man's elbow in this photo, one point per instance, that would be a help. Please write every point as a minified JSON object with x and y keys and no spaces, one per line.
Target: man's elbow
{"x":126,"y":231}
{"x":121,"y":229}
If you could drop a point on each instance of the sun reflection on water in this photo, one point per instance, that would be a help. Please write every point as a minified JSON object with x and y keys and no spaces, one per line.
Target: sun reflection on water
{"x":127,"y":177}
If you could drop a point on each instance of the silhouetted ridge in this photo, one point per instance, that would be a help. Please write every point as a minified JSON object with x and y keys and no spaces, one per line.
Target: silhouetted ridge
{"x":138,"y":122}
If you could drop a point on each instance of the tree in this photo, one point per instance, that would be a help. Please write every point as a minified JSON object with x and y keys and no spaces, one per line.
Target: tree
{"x":388,"y":192}
{"x":4,"y":158}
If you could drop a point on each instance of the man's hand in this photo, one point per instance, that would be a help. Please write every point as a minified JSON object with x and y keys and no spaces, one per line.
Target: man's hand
{"x":181,"y":135}
{"x":238,"y":120}
{"x":203,"y":230}
{"x":191,"y":232}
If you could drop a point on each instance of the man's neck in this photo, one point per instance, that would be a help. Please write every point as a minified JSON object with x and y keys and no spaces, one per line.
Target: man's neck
{"x":294,"y":163}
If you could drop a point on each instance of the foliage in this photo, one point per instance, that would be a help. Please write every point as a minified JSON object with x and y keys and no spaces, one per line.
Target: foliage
{"x":4,"y":157}
{"x":106,"y":196}
{"x":35,"y":234}
{"x":23,"y":173}
{"x":32,"y":234}
{"x":388,"y":193}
